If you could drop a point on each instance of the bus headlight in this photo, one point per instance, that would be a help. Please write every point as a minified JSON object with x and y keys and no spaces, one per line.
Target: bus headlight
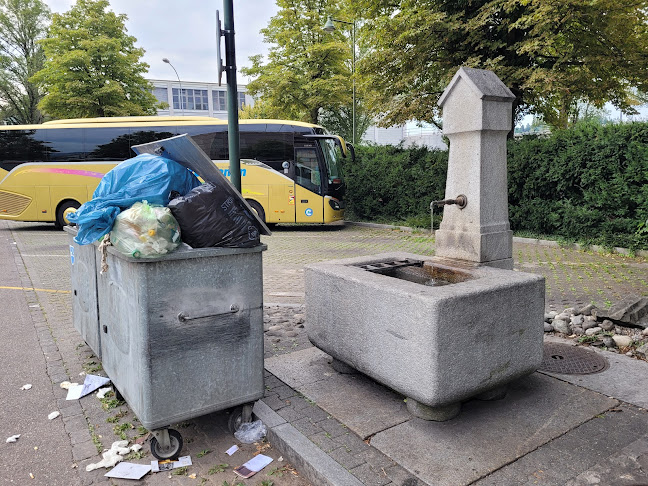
{"x":335,"y":204}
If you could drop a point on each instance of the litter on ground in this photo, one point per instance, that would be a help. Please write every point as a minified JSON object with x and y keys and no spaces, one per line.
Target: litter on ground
{"x":128,"y":470}
{"x":102,"y":392}
{"x":112,"y":456}
{"x":53,"y":415}
{"x":26,"y":387}
{"x":91,"y":383}
{"x":13,"y":438}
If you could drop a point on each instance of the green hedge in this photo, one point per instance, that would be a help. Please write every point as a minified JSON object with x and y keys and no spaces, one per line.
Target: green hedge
{"x":588,"y":183}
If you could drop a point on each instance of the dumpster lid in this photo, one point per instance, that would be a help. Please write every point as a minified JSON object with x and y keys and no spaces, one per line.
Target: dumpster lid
{"x":186,"y":152}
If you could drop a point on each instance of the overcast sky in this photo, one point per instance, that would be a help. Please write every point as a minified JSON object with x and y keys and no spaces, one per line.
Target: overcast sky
{"x":184,"y":31}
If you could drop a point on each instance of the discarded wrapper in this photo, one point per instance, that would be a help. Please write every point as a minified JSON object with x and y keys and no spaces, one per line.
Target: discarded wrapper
{"x":26,"y":387}
{"x":232,"y":450}
{"x":53,"y":415}
{"x":157,"y":466}
{"x":253,"y":466}
{"x":112,"y":456}
{"x":128,"y":470}
{"x":13,"y":438}
{"x":91,"y":383}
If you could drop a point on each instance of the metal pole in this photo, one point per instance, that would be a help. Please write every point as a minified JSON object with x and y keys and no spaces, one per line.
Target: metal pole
{"x":179,"y":82}
{"x":232,"y":96}
{"x":353,"y":46}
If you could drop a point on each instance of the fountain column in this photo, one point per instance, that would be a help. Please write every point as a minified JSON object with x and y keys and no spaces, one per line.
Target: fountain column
{"x":477,"y":113}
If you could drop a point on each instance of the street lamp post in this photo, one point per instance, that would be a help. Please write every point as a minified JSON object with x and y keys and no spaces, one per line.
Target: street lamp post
{"x":330,"y":27}
{"x":179,"y":82}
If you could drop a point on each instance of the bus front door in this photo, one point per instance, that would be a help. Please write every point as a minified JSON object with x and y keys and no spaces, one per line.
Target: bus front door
{"x":309,"y":204}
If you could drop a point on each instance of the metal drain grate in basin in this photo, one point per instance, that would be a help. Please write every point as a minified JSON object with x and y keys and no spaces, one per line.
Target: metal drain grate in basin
{"x":571,"y":360}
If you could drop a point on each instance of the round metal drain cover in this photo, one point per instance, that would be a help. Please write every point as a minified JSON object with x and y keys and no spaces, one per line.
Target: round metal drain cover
{"x":571,"y":360}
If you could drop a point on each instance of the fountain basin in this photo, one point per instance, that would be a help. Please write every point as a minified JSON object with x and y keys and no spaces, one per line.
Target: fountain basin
{"x":435,"y":344}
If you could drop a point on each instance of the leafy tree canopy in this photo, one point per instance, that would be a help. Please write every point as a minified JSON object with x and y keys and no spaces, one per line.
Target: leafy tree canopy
{"x":308,"y":69}
{"x":22,"y":24}
{"x":92,"y":66}
{"x":553,"y":54}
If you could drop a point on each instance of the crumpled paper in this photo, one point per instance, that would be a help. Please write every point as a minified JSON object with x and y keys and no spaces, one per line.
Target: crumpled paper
{"x":112,"y":456}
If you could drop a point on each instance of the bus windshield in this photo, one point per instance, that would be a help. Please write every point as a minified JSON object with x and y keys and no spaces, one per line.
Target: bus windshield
{"x":332,"y":156}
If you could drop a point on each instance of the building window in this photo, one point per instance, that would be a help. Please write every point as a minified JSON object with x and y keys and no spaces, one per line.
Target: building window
{"x":220,"y":100}
{"x":162,"y":94}
{"x":192,"y":99}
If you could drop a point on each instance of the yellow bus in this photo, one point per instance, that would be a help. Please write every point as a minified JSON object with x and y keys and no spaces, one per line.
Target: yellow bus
{"x":290,"y":171}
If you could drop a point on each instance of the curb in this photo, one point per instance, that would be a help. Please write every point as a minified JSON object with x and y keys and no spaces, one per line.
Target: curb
{"x":517,"y":239}
{"x":311,"y":461}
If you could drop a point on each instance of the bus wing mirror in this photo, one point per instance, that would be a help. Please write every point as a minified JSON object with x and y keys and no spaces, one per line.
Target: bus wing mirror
{"x":352,"y":150}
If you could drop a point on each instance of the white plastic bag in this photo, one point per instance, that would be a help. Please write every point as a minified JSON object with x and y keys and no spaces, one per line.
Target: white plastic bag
{"x":145,"y":231}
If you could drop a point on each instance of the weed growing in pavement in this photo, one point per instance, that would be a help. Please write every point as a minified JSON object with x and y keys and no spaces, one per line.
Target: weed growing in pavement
{"x":266,"y":482}
{"x":117,"y":417}
{"x":586,"y":339}
{"x":180,"y":471}
{"x":96,"y":440}
{"x":203,"y":453}
{"x":218,"y":469}
{"x":120,"y":430}
{"x":92,"y":367}
{"x":108,"y":403}
{"x":136,"y":455}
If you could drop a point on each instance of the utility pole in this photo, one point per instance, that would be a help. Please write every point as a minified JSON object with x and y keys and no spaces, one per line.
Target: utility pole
{"x":232,"y":95}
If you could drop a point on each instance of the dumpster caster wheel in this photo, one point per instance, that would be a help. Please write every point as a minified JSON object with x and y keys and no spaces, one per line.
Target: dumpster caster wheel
{"x":238,"y":416}
{"x":166,"y":444}
{"x":118,"y":395}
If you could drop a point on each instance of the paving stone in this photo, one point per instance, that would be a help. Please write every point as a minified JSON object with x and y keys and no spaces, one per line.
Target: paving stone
{"x":352,"y":443}
{"x":284,"y":392}
{"x":324,"y":441}
{"x":333,"y":427}
{"x":290,"y":414}
{"x":306,"y":427}
{"x":79,"y":436}
{"x":274,"y":402}
{"x":71,"y":410}
{"x":401,"y":476}
{"x":315,"y":413}
{"x":375,"y":458}
{"x":369,"y":476}
{"x":84,"y":450}
{"x":346,"y":459}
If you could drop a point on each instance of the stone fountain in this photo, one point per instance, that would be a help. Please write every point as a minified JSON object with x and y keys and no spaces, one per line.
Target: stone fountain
{"x":462,"y":324}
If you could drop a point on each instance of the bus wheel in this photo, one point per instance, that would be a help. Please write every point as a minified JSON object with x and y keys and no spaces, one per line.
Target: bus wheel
{"x":257,"y":208}
{"x":62,"y":212}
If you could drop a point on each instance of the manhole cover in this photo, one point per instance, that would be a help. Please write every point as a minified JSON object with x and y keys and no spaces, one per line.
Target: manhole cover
{"x":571,"y":360}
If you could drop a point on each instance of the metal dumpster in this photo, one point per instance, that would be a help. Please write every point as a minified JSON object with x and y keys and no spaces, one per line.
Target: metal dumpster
{"x":182,"y":335}
{"x":83,"y":275}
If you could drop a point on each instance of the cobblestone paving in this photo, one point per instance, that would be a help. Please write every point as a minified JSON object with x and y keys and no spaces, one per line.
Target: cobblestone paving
{"x":573,"y":277}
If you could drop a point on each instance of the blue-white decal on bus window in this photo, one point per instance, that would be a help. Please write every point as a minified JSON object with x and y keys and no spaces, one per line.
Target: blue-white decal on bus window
{"x":308,"y":212}
{"x":226,"y":172}
{"x":72,"y":254}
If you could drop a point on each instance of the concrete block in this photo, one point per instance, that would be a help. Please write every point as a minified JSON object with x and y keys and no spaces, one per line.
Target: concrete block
{"x":437,"y":345}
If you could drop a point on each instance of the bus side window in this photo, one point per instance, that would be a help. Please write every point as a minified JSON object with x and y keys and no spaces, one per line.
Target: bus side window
{"x":307,"y":171}
{"x":65,"y":144}
{"x":18,"y":146}
{"x":107,"y":143}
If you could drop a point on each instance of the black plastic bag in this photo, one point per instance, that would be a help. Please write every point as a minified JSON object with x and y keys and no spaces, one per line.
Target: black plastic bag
{"x":209,"y":217}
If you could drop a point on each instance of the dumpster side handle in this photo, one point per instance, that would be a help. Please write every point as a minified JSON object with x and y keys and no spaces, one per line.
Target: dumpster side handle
{"x":182,"y":317}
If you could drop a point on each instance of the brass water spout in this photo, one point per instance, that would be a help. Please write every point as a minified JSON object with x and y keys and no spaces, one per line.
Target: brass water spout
{"x":461,"y":201}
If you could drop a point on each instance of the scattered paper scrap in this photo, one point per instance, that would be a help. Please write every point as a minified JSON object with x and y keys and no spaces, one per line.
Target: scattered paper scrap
{"x":26,"y":387}
{"x":253,"y":466}
{"x":192,"y":476}
{"x":157,"y":466}
{"x":112,"y":456}
{"x":136,"y":447}
{"x":91,"y":383}
{"x":232,"y":450}
{"x":66,"y":385}
{"x":13,"y":438}
{"x":31,"y":475}
{"x":102,"y":392}
{"x":53,"y":415}
{"x":128,"y":470}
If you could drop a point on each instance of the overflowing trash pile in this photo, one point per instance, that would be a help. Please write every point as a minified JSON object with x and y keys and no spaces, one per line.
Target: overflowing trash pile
{"x":150,"y":205}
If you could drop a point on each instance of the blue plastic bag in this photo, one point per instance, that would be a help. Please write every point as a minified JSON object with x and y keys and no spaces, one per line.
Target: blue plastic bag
{"x":145,"y":177}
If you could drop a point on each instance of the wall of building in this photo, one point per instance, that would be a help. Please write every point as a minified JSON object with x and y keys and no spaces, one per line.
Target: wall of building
{"x":200,"y":99}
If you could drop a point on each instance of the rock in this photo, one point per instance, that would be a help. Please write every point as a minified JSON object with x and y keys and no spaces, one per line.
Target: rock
{"x":592,"y":331}
{"x":587,"y":310}
{"x":577,"y":320}
{"x":562,"y":326}
{"x":291,"y":334}
{"x":629,"y":353}
{"x":608,"y":342}
{"x":275,"y":340}
{"x":607,"y":325}
{"x":622,"y":341}
{"x":569,"y":311}
{"x":589,"y":324}
{"x":642,"y":350}
{"x":300,"y":326}
{"x":274,"y":328}
{"x":578,"y":331}
{"x":548,"y":327}
{"x":547,"y":317}
{"x":632,"y":310}
{"x":563,"y":316}
{"x":552,"y":314}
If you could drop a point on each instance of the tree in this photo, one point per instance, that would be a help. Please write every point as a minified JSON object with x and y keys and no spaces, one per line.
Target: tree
{"x":22,"y":24}
{"x":340,"y":121}
{"x":551,"y":54}
{"x":92,"y":66}
{"x":308,"y":69}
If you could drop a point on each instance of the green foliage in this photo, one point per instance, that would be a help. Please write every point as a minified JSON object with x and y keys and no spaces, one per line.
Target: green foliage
{"x":92,"y":67}
{"x":219,"y":468}
{"x":308,"y":69}
{"x":22,"y":24}
{"x":588,"y":184}
{"x":552,"y":55}
{"x":340,"y":121}
{"x":393,"y":183}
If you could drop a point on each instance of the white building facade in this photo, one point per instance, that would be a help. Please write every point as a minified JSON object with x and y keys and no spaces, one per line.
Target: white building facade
{"x":198,"y":99}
